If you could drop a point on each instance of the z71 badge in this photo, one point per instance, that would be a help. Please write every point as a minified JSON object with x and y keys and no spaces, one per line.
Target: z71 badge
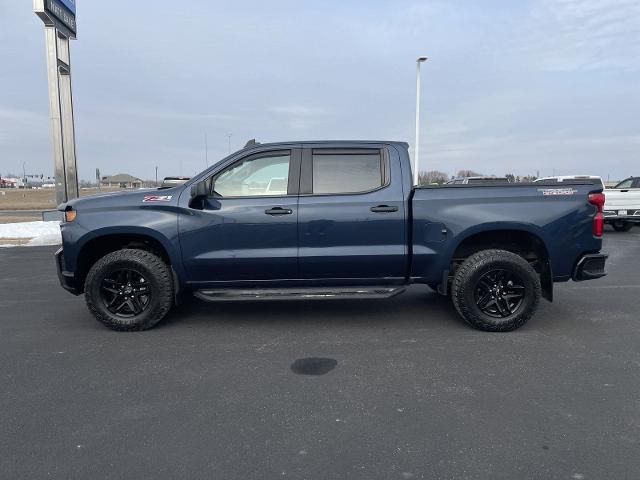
{"x":156,"y":198}
{"x":558,"y":191}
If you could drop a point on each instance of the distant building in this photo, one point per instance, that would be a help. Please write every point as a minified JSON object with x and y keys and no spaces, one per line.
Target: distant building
{"x":11,"y":183}
{"x":122,"y":180}
{"x":38,"y":181}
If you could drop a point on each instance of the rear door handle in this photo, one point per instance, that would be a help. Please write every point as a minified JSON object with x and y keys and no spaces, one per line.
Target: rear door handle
{"x":278,"y":211}
{"x":384,"y":209}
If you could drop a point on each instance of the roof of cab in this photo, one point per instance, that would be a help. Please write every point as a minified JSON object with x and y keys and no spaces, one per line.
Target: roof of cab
{"x":329,"y":143}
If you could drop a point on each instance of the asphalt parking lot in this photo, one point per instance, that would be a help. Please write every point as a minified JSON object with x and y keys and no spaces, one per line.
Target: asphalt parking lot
{"x":406,"y":391}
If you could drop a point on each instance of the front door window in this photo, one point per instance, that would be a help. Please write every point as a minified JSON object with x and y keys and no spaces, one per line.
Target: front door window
{"x":255,"y":177}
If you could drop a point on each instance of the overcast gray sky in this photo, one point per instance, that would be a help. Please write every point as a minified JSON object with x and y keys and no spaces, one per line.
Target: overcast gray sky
{"x":511,"y":86}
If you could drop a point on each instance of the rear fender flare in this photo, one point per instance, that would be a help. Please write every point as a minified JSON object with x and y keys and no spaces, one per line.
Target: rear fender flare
{"x":546,"y":276}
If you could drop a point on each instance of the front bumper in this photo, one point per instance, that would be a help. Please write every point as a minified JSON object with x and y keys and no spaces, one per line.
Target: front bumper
{"x":66,"y":278}
{"x":590,"y":267}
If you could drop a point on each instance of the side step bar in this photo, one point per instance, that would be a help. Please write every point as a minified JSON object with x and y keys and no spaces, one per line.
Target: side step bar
{"x":310,"y":293}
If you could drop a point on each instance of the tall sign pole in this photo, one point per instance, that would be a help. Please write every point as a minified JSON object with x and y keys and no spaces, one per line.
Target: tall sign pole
{"x":416,"y":153}
{"x":59,"y":17}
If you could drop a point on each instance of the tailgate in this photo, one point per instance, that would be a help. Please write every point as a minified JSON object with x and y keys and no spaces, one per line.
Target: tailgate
{"x":616,"y":200}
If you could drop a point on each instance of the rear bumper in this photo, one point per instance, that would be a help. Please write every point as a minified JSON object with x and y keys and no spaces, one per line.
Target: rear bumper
{"x":67,"y":279}
{"x":590,"y":267}
{"x":615,"y":215}
{"x":618,"y":219}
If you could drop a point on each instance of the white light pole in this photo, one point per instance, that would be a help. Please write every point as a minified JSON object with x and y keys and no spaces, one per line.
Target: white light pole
{"x":206,"y":150}
{"x":416,"y":158}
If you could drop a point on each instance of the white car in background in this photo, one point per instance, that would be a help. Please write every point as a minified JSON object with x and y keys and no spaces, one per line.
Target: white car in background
{"x":622,"y":204}
{"x":563,"y":178}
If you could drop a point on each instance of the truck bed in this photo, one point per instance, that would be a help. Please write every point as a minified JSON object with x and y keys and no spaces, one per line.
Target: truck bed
{"x":442,"y":217}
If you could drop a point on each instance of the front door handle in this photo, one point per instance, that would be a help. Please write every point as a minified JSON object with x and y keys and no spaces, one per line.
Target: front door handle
{"x":278,"y":211}
{"x":384,"y":209}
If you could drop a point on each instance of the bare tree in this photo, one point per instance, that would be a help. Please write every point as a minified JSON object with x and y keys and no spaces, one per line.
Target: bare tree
{"x":431,"y":177}
{"x":469,"y":173}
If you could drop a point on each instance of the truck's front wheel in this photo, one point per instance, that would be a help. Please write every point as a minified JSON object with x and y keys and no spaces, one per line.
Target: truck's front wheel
{"x":129,"y":290}
{"x":496,"y":290}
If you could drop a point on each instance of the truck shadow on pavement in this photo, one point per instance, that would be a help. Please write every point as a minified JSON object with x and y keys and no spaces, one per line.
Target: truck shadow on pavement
{"x":417,"y":306}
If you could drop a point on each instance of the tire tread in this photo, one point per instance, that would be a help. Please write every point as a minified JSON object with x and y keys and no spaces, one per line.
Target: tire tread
{"x":461,"y":282}
{"x":161,"y":273}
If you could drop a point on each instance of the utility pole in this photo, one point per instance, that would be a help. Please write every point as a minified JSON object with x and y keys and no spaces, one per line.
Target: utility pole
{"x":156,"y":175}
{"x":416,"y":162}
{"x":229,"y":136}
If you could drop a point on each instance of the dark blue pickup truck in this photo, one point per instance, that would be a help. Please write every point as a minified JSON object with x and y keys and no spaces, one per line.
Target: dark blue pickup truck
{"x":315,"y":220}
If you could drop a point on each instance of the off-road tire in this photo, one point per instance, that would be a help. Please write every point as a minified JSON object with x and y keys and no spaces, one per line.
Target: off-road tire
{"x":154,"y":269}
{"x":622,"y":226}
{"x":466,"y":280}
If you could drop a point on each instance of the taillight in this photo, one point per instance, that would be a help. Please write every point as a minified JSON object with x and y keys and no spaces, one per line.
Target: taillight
{"x":597,"y":199}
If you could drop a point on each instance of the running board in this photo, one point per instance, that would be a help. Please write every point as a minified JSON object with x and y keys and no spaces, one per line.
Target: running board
{"x":311,"y":293}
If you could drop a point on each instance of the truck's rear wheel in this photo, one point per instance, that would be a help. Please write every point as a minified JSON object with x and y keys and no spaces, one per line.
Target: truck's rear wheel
{"x":129,"y":290}
{"x":622,"y":226}
{"x":496,"y":290}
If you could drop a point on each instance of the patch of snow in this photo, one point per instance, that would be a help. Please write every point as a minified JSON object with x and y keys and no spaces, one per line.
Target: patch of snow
{"x":41,"y":233}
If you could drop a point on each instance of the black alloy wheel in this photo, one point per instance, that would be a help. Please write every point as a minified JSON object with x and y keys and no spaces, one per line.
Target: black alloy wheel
{"x":499,"y":293}
{"x":125,"y":292}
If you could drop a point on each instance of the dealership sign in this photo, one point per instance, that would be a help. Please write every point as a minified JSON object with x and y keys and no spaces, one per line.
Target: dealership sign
{"x":64,"y":11}
{"x":59,"y":18}
{"x":70,"y":4}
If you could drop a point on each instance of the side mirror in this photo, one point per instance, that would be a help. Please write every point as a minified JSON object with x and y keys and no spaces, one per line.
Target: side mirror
{"x":200,"y":189}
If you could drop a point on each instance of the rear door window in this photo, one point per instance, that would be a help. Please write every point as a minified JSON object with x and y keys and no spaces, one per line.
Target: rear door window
{"x":345,"y":172}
